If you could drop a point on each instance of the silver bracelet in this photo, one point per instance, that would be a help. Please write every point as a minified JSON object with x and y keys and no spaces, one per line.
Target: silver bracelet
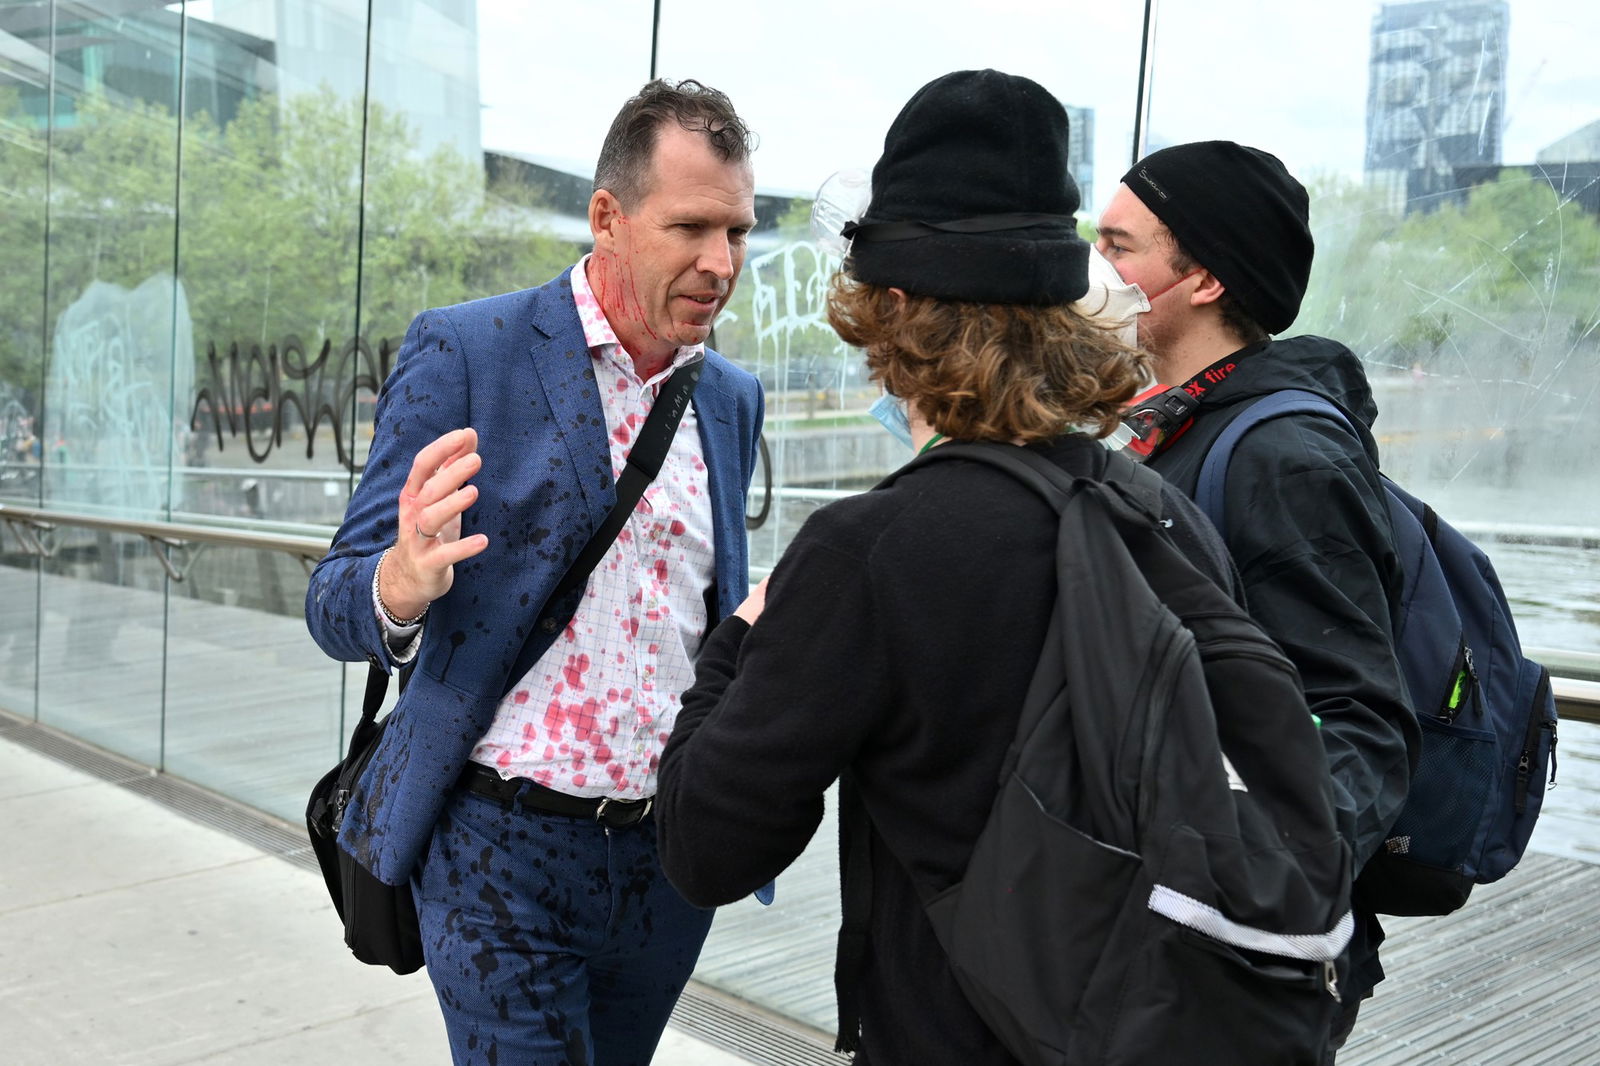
{"x":377,"y":597}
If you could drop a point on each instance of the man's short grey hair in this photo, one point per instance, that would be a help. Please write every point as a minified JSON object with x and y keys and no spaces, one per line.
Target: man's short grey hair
{"x":625,"y":157}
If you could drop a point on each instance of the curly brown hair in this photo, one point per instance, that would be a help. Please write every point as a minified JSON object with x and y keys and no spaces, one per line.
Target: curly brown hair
{"x":1002,"y":372}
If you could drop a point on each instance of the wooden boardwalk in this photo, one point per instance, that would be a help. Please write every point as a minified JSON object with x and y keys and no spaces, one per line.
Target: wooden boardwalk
{"x":1512,"y":978}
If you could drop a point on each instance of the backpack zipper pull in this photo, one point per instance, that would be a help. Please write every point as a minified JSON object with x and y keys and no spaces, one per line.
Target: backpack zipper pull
{"x":1466,"y":682}
{"x":1530,"y":748}
{"x":341,"y":800}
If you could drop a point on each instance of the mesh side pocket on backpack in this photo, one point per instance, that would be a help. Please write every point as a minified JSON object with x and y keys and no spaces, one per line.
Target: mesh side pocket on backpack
{"x":1456,"y":779}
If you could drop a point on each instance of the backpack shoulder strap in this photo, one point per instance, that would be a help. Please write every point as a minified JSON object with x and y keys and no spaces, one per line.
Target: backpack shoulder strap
{"x":1034,"y":470}
{"x":1209,"y":492}
{"x":1056,"y":486}
{"x":1138,"y":484}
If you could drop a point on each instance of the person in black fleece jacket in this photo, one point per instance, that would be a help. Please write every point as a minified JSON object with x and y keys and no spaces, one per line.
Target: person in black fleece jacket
{"x":1220,"y":234}
{"x":898,"y":634}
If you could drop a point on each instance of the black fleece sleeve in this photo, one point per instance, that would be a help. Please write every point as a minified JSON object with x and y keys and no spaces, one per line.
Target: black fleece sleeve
{"x":777,"y":710}
{"x":1309,"y":531}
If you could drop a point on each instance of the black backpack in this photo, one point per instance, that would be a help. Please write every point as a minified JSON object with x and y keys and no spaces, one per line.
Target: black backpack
{"x":1160,"y":876}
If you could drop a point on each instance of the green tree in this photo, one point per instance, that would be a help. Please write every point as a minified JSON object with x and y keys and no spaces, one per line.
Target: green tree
{"x":1509,"y":272}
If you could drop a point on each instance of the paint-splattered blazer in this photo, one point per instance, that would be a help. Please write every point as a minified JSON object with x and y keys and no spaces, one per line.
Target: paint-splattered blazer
{"x":515,"y":368}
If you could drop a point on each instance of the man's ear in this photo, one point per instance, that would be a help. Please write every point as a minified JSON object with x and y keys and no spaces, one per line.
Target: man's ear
{"x":605,"y":213}
{"x":1209,"y":291}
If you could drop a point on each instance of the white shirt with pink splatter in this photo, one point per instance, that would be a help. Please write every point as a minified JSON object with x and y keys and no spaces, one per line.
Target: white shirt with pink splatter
{"x":591,"y":717}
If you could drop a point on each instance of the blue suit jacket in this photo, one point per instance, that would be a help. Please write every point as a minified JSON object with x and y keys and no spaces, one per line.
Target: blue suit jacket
{"x":517,"y":369}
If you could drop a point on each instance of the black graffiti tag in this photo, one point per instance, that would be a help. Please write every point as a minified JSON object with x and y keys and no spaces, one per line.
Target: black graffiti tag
{"x":252,"y":390}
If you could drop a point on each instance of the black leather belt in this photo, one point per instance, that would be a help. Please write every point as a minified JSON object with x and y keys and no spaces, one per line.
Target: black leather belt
{"x":612,"y":813}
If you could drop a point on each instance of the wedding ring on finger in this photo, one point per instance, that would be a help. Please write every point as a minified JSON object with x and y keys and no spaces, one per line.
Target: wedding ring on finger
{"x":425,"y":536}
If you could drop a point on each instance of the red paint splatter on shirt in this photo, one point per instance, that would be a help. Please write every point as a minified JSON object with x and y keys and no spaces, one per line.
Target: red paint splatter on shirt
{"x":554,"y":715}
{"x":577,"y":666}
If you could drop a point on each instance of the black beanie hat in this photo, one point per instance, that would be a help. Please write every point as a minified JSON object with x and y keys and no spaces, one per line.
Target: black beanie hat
{"x":973,"y":199}
{"x":1241,"y":215}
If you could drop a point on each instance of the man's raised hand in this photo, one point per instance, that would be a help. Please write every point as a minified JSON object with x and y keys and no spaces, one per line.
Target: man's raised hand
{"x":421,"y":566}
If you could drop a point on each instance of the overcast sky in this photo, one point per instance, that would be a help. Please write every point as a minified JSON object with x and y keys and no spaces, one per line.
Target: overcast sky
{"x":821,"y":81}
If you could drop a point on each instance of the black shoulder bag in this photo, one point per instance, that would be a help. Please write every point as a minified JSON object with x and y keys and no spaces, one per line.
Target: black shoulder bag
{"x":380,"y":920}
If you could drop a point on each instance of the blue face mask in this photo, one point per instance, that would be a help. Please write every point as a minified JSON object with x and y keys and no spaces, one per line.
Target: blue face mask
{"x":889,"y":411}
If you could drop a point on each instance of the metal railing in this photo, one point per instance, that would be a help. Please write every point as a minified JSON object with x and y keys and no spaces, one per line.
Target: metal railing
{"x":35,"y":529}
{"x":1577,"y":697}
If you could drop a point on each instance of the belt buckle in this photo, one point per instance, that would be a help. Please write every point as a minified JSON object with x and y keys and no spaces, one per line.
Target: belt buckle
{"x":624,"y":809}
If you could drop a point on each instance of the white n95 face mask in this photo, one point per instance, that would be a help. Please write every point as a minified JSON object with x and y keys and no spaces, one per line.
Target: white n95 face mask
{"x":1111,"y":301}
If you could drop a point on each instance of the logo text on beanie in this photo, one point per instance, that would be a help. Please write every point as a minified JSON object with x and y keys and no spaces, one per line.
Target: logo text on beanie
{"x":1148,"y":180}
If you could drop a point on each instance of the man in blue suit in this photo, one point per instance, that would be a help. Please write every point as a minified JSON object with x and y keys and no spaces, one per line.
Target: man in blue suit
{"x":514,"y":786}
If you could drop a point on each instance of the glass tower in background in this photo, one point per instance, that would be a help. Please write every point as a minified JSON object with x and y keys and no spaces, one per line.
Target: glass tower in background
{"x":1435,"y":95}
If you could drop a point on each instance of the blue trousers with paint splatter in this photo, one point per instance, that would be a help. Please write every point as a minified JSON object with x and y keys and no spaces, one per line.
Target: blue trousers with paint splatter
{"x":551,"y":941}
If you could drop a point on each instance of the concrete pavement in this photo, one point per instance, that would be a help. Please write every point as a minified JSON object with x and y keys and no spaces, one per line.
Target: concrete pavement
{"x":133,"y":936}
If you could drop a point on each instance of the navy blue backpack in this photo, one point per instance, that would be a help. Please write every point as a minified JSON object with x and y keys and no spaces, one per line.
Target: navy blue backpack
{"x":1487,"y":713}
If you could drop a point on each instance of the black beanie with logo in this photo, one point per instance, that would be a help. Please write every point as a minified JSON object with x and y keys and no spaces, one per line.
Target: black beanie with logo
{"x":1241,"y":215}
{"x":973,"y":199}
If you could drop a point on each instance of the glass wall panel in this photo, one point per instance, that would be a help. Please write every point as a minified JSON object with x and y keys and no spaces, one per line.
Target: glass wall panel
{"x":820,"y":87}
{"x":108,"y":422}
{"x":268,"y":253}
{"x":1453,"y":155}
{"x":24,"y":139}
{"x":252,"y":705}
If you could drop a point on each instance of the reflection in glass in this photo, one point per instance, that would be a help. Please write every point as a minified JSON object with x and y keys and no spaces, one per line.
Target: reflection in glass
{"x":111,"y":301}
{"x":269,"y":232}
{"x":111,"y":296}
{"x":269,"y":237}
{"x":24,"y":109}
